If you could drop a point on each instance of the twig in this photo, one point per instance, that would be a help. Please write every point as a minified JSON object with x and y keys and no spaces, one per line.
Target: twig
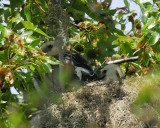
{"x":81,"y":28}
{"x":99,"y":66}
{"x":40,"y":7}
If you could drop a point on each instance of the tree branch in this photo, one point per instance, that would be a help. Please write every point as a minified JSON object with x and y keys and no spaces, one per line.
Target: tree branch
{"x":131,"y":59}
{"x":81,"y":28}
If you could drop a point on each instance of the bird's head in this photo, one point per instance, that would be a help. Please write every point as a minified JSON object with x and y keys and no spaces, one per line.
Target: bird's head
{"x":111,"y":73}
{"x":50,"y":48}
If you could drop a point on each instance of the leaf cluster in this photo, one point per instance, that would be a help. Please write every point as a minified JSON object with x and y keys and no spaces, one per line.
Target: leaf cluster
{"x":21,"y":59}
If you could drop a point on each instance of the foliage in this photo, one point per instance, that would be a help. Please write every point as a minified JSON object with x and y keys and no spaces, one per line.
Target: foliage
{"x":148,"y":100}
{"x":20,"y":59}
{"x":92,"y":32}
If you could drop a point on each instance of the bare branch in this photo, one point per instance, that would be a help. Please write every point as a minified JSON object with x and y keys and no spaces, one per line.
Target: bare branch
{"x":131,"y":59}
{"x":40,"y":6}
{"x":81,"y":28}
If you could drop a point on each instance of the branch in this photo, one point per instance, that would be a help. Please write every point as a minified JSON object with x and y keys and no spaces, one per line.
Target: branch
{"x":40,"y":6}
{"x":81,"y":28}
{"x":131,"y":59}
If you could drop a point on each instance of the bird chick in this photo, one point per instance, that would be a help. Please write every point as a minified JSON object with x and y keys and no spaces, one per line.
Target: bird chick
{"x":50,"y":48}
{"x":111,"y":73}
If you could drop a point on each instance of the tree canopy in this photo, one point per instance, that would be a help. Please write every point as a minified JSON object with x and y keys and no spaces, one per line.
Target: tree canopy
{"x":91,"y":28}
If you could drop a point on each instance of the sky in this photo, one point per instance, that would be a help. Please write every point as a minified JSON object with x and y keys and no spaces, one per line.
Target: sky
{"x":114,"y":4}
{"x":133,"y":6}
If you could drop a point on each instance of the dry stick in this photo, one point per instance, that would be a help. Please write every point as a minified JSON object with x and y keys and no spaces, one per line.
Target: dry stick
{"x":130,"y":59}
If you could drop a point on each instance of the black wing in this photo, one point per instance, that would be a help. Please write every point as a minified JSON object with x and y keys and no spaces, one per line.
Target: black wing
{"x":78,"y":60}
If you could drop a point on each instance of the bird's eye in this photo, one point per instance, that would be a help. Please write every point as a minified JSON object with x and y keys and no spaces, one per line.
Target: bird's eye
{"x":104,"y":72}
{"x":50,"y":46}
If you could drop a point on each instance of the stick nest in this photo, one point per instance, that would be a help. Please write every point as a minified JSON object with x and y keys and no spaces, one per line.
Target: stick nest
{"x":94,"y":106}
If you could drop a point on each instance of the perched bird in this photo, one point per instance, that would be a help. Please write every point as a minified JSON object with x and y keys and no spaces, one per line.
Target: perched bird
{"x":81,"y":68}
{"x":111,"y":73}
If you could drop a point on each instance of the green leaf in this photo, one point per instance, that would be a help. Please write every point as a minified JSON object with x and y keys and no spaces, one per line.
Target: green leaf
{"x":31,"y":67}
{"x":51,"y":60}
{"x":14,"y":4}
{"x":126,"y":48}
{"x":6,"y":12}
{"x":41,"y":32}
{"x":27,"y":12}
{"x":145,"y":1}
{"x":18,"y":26}
{"x":5,"y":32}
{"x":148,"y":6}
{"x":35,"y":43}
{"x":30,"y":25}
{"x":2,"y":28}
{"x":83,"y":1}
{"x":17,"y":18}
{"x":1,"y":63}
{"x":123,"y":38}
{"x":154,"y":39}
{"x":152,"y":25}
{"x":126,"y":3}
{"x":115,"y":42}
{"x":111,"y":12}
{"x":30,"y":39}
{"x":144,"y":17}
{"x":3,"y":56}
{"x":39,"y":67}
{"x":17,"y":117}
{"x":150,"y":22}
{"x":27,"y":33}
{"x":158,"y":2}
{"x":43,"y":67}
{"x":47,"y":67}
{"x":119,"y":32}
